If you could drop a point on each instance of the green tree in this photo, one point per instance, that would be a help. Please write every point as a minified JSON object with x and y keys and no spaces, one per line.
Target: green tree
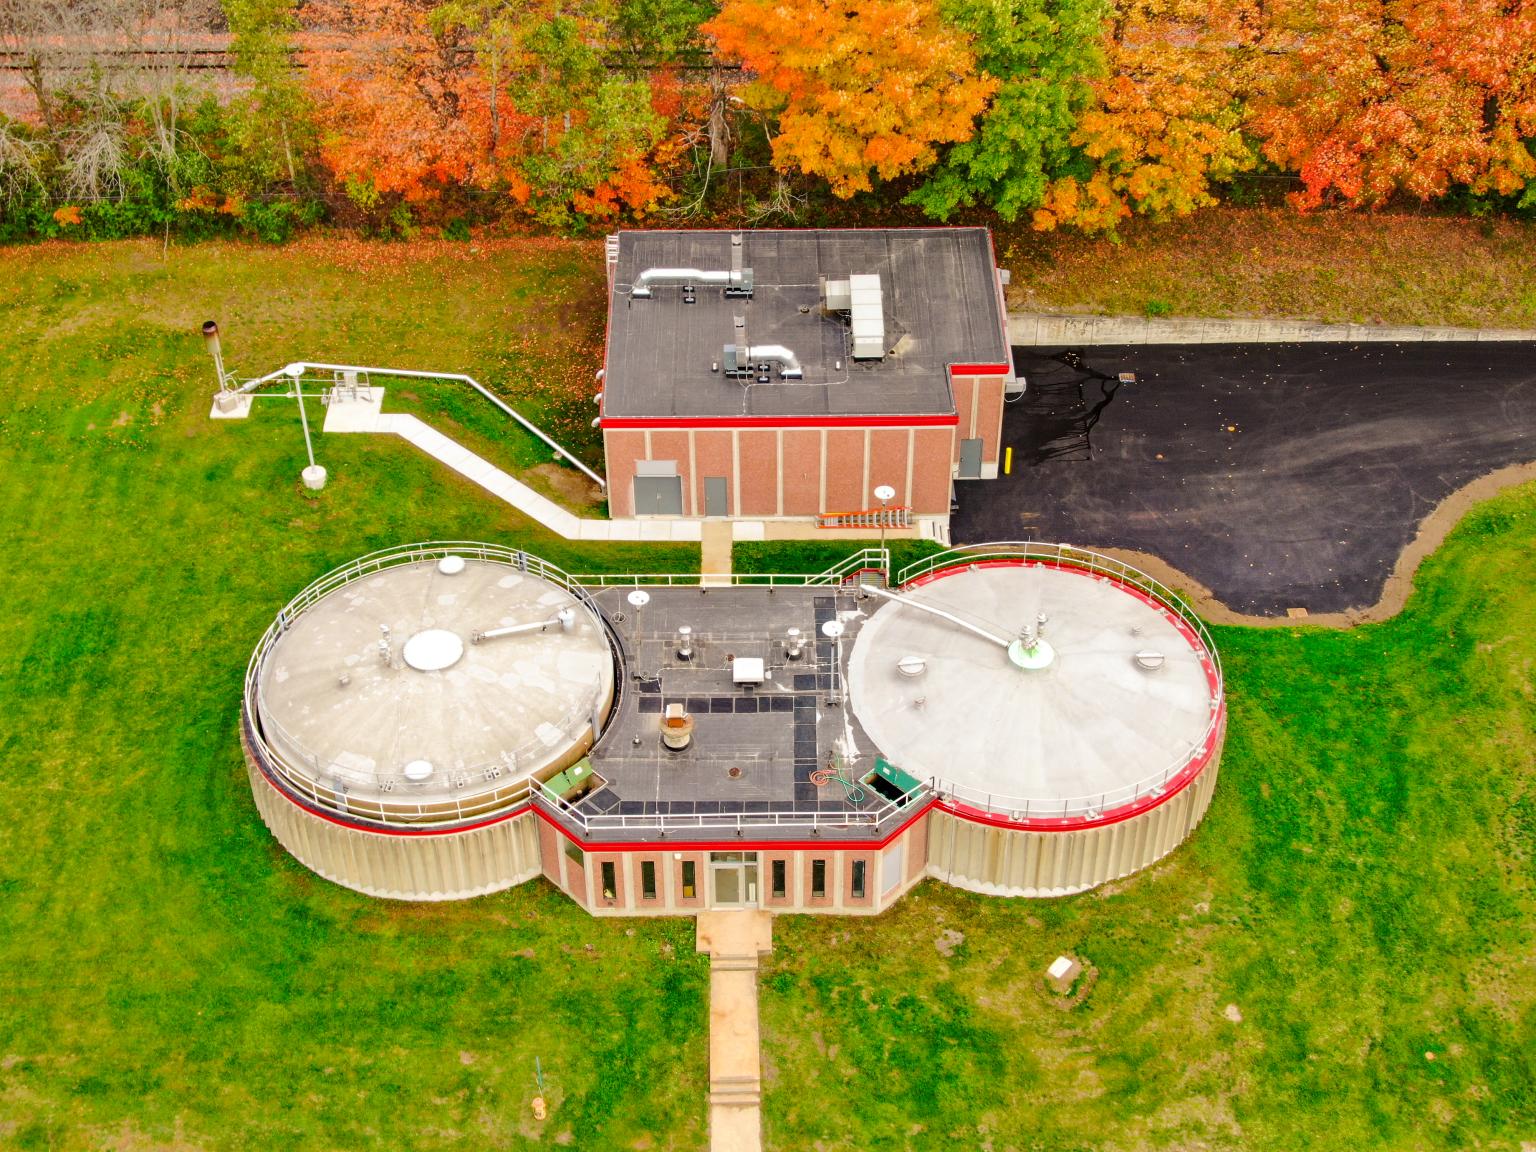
{"x":269,"y":125}
{"x":1044,"y":53}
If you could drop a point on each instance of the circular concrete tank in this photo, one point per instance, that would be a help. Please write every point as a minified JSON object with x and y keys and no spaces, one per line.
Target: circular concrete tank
{"x":397,"y":709}
{"x":1066,"y":710}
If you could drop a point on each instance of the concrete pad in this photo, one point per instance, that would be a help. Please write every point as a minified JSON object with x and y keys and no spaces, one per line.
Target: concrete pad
{"x":735,"y":932}
{"x":241,"y":409}
{"x":747,"y":530}
{"x":687,"y":531}
{"x":355,"y":414}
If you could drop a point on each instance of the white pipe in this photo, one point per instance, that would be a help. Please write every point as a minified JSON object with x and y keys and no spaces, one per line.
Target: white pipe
{"x":566,"y":618}
{"x":406,"y":372}
{"x":953,"y":619}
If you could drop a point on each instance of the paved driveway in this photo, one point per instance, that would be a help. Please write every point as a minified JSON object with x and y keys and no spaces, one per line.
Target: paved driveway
{"x":1279,"y":476}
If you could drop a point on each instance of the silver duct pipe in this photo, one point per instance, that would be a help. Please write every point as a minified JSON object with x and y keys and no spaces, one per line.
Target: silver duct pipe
{"x":653,"y":276}
{"x":1000,"y":641}
{"x":788,"y":362}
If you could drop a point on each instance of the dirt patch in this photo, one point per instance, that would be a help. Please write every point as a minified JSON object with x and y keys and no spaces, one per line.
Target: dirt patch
{"x":122,"y":421}
{"x":566,"y":484}
{"x":1233,"y":1013}
{"x":948,"y":940}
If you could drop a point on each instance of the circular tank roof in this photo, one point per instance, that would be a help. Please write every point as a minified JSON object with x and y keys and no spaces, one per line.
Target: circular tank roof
{"x":428,"y":715}
{"x":1093,"y":721}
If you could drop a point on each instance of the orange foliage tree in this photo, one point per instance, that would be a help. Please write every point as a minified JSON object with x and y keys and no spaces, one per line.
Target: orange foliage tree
{"x":396,"y":113}
{"x":860,"y":88}
{"x":1369,"y":98}
{"x":1166,"y":122}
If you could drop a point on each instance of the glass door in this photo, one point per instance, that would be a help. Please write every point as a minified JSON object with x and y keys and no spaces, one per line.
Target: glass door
{"x":733,"y":879}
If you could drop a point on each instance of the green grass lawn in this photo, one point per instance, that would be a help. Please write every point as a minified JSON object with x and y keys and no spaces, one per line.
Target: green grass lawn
{"x":1363,"y":890}
{"x":1333,"y":266}
{"x":172,"y":978}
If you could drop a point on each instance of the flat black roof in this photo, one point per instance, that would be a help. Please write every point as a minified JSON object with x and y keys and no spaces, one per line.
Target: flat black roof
{"x":941,"y":307}
{"x":756,"y":748}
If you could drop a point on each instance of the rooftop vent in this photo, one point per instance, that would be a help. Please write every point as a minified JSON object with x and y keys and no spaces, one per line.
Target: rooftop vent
{"x":863,"y":300}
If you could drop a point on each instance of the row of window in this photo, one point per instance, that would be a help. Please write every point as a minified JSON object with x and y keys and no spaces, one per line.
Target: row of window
{"x":778,"y":871}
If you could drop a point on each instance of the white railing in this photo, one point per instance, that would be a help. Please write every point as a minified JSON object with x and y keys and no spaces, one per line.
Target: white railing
{"x":411,"y":374}
{"x":845,"y":819}
{"x":396,"y":808}
{"x":488,"y":788}
{"x":1091,"y":806}
{"x":874,"y":559}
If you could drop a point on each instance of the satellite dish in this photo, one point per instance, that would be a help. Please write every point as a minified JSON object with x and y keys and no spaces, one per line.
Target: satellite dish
{"x":832,"y":629}
{"x":639,"y":598}
{"x":451,"y":565}
{"x":885,"y":492}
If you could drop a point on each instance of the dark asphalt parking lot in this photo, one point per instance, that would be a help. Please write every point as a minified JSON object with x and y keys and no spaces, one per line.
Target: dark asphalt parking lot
{"x":1279,"y":476}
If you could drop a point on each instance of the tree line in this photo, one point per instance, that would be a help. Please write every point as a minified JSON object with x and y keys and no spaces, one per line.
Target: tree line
{"x":399,"y":114}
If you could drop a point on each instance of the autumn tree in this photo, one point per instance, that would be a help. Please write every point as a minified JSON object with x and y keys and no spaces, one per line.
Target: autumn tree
{"x":1371,"y":98}
{"x":395,"y":110}
{"x":561,"y":128}
{"x":1044,"y":54}
{"x":1166,"y":123}
{"x":860,"y":88}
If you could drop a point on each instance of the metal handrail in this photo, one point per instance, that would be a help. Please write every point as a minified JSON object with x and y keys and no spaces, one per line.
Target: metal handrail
{"x":411,"y":374}
{"x":478,"y":804}
{"x":1094,"y":805}
{"x":443,"y":814}
{"x":866,"y":559}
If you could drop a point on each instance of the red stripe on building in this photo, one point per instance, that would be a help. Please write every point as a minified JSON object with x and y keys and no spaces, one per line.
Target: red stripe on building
{"x":754,"y":423}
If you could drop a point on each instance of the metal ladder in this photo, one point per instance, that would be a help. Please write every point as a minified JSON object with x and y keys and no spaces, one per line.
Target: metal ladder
{"x":875,"y":518}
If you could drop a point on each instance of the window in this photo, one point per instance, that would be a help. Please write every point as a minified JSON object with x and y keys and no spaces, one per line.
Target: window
{"x":818,"y":879}
{"x":689,"y":890}
{"x":779,"y":870}
{"x":648,"y":879}
{"x":575,"y":853}
{"x":858,"y":879}
{"x":610,"y":882}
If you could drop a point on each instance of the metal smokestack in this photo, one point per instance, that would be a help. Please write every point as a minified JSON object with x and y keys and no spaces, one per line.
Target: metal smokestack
{"x":211,"y":338}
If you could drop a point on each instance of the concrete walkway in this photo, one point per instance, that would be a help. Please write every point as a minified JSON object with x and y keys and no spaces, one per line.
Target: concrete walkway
{"x":734,"y":940}
{"x":715,"y":554}
{"x":1041,"y":329}
{"x":364,"y":415}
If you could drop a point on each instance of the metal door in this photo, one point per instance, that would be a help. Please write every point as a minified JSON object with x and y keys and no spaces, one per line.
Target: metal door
{"x":658,"y":496}
{"x":970,"y":460}
{"x":714,"y":496}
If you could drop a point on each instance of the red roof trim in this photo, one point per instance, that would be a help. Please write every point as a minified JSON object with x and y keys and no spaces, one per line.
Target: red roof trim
{"x":753,"y":423}
{"x":978,"y":369}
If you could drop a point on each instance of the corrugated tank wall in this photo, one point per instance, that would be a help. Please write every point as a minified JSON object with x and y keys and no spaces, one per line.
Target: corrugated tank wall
{"x":451,"y":866}
{"x":1018,"y":862}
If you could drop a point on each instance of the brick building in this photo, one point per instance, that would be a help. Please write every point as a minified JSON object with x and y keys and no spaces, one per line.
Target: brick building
{"x":786,"y":374}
